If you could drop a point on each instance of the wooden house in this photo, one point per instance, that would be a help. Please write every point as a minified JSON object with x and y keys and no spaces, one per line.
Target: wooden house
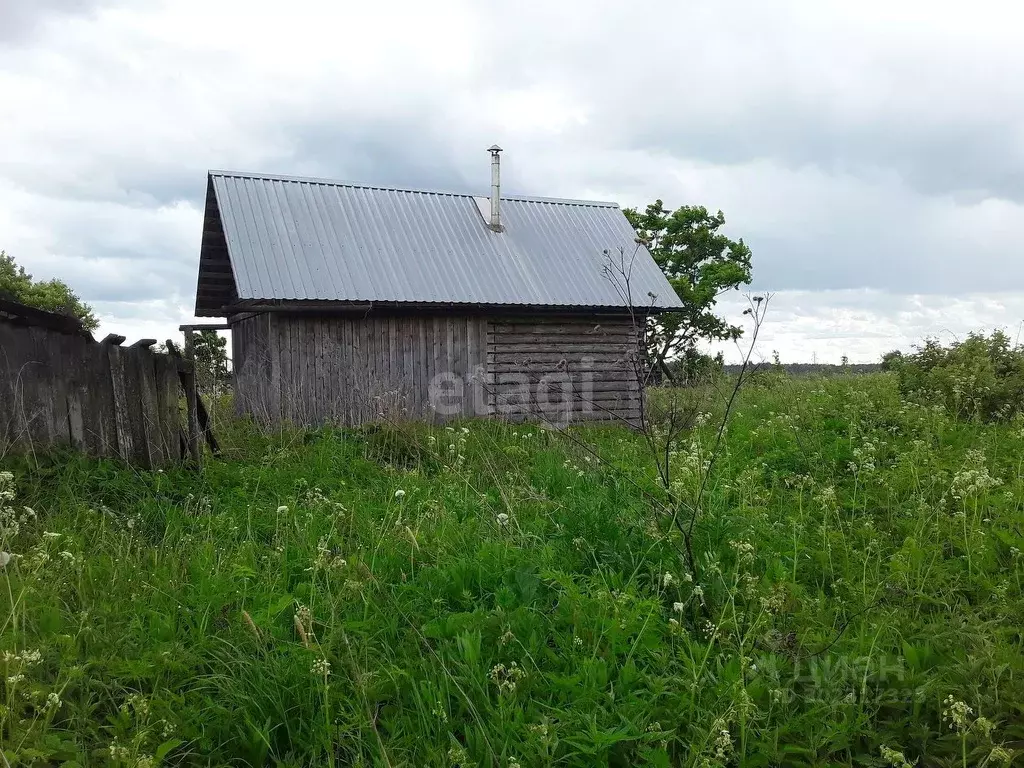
{"x":349,"y":303}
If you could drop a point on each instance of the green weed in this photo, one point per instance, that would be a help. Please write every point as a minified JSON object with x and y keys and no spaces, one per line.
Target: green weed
{"x":499,"y":595}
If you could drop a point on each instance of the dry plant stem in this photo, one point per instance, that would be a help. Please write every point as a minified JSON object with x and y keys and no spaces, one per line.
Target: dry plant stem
{"x":619,"y":273}
{"x":758,"y":308}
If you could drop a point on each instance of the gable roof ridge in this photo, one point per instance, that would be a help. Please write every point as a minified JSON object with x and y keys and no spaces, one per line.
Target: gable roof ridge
{"x":410,"y":190}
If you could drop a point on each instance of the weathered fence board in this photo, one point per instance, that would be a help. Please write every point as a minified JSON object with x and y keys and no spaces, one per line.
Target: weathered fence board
{"x":60,"y":387}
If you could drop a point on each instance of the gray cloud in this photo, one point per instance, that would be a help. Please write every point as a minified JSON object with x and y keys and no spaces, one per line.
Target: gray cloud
{"x":922,"y":90}
{"x":20,"y":19}
{"x":849,"y":152}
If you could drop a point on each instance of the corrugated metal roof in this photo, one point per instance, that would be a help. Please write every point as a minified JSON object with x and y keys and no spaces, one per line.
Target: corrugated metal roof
{"x":291,"y":238}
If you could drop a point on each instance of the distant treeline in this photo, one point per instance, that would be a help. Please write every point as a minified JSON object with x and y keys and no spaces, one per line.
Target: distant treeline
{"x":812,"y":369}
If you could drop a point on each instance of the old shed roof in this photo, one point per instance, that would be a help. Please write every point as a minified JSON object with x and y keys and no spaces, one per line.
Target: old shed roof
{"x":278,"y":239}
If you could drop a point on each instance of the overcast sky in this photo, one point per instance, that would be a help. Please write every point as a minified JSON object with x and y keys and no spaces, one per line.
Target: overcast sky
{"x":870,"y":153}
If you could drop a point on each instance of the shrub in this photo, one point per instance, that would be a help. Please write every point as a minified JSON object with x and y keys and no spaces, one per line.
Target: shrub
{"x":981,"y":377}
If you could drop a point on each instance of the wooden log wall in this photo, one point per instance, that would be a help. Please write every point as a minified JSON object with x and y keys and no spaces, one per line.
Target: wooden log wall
{"x":308,"y":369}
{"x":103,"y":399}
{"x":311,"y":369}
{"x":576,"y":368}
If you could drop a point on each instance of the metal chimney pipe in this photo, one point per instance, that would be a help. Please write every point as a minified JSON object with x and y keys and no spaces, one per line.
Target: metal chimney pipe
{"x":495,"y":188}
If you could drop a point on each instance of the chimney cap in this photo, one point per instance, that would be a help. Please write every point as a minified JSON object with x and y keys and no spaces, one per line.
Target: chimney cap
{"x":494,"y":148}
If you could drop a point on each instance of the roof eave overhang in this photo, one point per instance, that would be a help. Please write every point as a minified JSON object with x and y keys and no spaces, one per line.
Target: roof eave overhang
{"x":354,"y":306}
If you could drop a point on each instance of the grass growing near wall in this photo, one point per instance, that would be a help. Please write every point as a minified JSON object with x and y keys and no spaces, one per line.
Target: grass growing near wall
{"x":492,"y":595}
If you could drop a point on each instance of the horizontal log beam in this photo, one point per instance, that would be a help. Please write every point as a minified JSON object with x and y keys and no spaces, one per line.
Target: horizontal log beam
{"x":204,"y":327}
{"x":555,"y":361}
{"x":508,"y":374}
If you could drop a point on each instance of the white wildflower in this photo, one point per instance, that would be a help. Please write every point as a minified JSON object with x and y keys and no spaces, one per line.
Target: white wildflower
{"x":119,"y":751}
{"x":895,"y":758}
{"x":139,"y":704}
{"x":507,"y":678}
{"x":502,"y":519}
{"x":399,"y":494}
{"x":667,"y":580}
{"x":321,"y":667}
{"x":723,"y":740}
{"x":956,"y":714}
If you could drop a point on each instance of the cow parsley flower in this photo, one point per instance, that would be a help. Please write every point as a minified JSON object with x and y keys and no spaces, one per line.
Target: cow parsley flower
{"x":956,"y":713}
{"x":507,"y":678}
{"x":399,"y":494}
{"x":502,"y":519}
{"x":722,"y":744}
{"x":895,"y":758}
{"x":457,"y":757}
{"x":119,"y":751}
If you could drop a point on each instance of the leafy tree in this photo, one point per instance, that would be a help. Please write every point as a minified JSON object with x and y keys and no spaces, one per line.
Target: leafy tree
{"x":209,"y":352}
{"x":701,"y":264}
{"x":51,"y":295}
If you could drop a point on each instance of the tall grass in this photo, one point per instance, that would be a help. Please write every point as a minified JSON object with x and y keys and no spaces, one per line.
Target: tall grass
{"x":490,"y":594}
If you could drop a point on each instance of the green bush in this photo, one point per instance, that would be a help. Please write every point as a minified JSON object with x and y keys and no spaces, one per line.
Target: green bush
{"x":981,"y":377}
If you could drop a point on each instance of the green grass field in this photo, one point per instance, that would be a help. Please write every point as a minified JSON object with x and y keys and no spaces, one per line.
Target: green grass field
{"x":495,"y":595}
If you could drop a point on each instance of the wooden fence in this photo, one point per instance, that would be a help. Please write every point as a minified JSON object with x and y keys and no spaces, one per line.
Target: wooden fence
{"x":60,"y":387}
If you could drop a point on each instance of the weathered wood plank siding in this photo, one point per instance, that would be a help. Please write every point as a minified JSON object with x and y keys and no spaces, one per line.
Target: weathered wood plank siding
{"x":564,"y":369}
{"x":59,"y":389}
{"x":311,"y":369}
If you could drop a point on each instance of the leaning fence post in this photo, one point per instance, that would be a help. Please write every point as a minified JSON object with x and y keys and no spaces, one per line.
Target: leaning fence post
{"x":188,"y":383}
{"x":201,"y":412}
